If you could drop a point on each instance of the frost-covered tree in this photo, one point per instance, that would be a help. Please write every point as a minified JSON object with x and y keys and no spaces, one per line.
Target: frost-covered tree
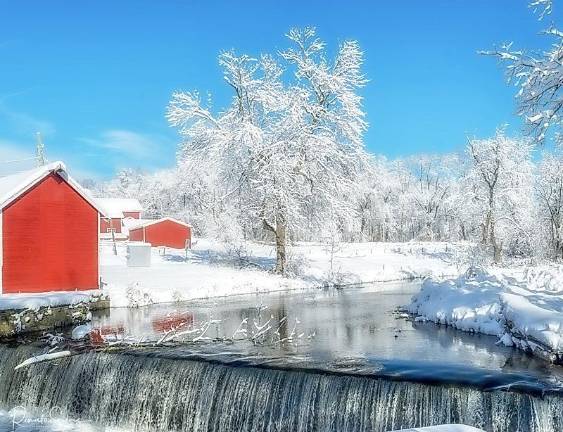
{"x":543,"y":7}
{"x":549,"y":188}
{"x":500,"y":178}
{"x":539,"y":77}
{"x":373,"y":195}
{"x":285,"y":143}
{"x":432,"y":190}
{"x":408,"y":199}
{"x":389,"y":201}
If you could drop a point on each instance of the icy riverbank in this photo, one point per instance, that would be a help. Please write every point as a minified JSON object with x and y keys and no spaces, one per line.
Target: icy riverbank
{"x":522,"y":307}
{"x":209,"y":270}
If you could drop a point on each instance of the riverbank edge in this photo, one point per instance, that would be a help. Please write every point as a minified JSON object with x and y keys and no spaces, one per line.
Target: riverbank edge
{"x":25,"y":321}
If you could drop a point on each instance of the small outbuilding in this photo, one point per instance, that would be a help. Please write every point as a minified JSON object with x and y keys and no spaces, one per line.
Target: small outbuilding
{"x":162,"y":232}
{"x":117,"y":210}
{"x":49,"y":232}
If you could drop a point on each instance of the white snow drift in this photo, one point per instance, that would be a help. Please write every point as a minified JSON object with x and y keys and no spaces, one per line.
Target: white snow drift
{"x":523,"y":308}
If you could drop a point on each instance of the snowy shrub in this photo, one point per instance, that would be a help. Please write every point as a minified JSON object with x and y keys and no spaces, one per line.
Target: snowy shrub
{"x":470,"y":256}
{"x":137,"y":297}
{"x":338,"y":278}
{"x":296,"y":264}
{"x":239,"y":252}
{"x":177,"y":296}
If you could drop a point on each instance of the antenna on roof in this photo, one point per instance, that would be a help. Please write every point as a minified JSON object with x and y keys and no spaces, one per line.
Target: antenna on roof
{"x":40,"y":151}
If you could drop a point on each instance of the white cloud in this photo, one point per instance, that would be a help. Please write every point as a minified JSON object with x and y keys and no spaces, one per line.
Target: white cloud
{"x":15,"y":157}
{"x":127,"y":143}
{"x":120,"y":148}
{"x":25,"y":124}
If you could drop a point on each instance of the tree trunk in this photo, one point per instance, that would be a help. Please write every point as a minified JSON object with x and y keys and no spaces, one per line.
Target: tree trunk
{"x":486,"y":227}
{"x":558,"y":246}
{"x":280,"y":233}
{"x":497,"y":253}
{"x":497,"y":248}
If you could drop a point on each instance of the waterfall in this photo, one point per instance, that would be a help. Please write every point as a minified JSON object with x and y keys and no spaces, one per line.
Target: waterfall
{"x":144,"y":392}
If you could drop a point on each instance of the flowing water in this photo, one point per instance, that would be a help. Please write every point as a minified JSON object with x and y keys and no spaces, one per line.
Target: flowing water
{"x":357,"y":366}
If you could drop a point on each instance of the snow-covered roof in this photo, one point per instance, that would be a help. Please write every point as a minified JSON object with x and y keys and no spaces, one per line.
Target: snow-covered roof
{"x":114,"y":207}
{"x":147,"y":222}
{"x":131,"y":223}
{"x":12,"y":186}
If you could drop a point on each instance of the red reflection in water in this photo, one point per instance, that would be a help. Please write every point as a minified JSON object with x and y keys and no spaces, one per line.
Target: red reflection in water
{"x":172,"y":321}
{"x":100,"y":335}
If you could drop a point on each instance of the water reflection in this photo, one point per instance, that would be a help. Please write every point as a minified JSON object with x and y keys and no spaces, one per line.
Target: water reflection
{"x":360,"y":323}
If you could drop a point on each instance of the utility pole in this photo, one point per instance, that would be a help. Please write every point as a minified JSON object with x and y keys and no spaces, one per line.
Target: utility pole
{"x":40,"y":151}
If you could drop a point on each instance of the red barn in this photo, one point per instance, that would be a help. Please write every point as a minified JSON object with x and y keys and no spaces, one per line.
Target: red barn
{"x":116,"y":211}
{"x":49,"y":230}
{"x":162,"y":232}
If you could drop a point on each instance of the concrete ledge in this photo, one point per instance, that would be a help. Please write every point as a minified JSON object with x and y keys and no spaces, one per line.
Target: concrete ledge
{"x":14,"y":322}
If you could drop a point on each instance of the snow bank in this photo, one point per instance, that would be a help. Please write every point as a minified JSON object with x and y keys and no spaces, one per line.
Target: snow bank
{"x":174,"y":277}
{"x":142,"y":287}
{"x":52,"y":299}
{"x":208,"y":270}
{"x":522,"y":307}
{"x":536,"y":323}
{"x":469,"y":303}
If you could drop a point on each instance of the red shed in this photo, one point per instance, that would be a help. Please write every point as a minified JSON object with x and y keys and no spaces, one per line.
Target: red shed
{"x":162,"y":232}
{"x":49,"y":232}
{"x":116,"y":211}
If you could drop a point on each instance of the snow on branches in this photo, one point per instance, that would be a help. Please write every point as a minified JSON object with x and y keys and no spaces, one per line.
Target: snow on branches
{"x":285,"y":141}
{"x":284,"y":161}
{"x":500,"y":185}
{"x":539,"y":77}
{"x":543,"y":7}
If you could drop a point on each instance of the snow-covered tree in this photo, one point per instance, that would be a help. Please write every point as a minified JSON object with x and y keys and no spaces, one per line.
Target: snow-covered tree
{"x":549,"y":187}
{"x":500,"y":178}
{"x":388,"y":201}
{"x":539,"y":77}
{"x":284,"y":143}
{"x":432,"y":189}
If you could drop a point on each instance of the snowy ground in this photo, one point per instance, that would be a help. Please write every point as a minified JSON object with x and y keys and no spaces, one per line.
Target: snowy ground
{"x":209,"y":270}
{"x":522,"y":306}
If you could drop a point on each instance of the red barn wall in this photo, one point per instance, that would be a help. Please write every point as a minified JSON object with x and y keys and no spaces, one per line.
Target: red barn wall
{"x":164,"y":233}
{"x":106,"y":223}
{"x":134,"y":215}
{"x":49,"y":240}
{"x":136,"y":235}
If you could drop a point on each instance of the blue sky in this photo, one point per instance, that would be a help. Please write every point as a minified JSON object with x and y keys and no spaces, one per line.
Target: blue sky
{"x":95,"y":77}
